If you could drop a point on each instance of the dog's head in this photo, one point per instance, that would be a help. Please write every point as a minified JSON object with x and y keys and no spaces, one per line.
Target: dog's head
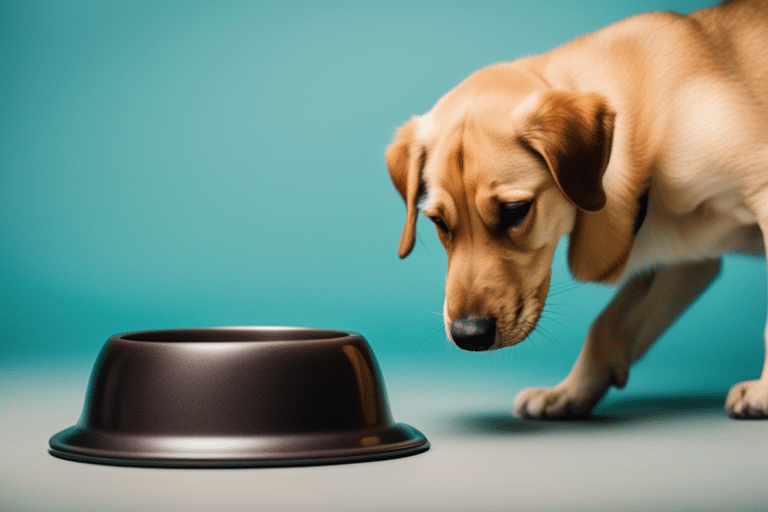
{"x":502,"y":165}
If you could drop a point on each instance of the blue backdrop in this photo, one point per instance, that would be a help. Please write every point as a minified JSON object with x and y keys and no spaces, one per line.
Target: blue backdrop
{"x":185,"y":164}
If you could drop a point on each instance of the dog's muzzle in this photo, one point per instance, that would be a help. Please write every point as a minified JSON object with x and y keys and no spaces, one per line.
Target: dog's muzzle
{"x":474,"y":333}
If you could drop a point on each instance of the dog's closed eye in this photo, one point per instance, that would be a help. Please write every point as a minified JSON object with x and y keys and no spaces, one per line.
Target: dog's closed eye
{"x":513,"y":214}
{"x":440,"y":223}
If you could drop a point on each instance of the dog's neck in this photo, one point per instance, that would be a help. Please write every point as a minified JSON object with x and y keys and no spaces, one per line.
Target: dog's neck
{"x":601,"y":242}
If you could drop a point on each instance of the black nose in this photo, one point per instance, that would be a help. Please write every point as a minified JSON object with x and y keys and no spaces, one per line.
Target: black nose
{"x":475,"y":333}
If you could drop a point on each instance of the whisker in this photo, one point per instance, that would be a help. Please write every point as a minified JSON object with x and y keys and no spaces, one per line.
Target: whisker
{"x":421,"y":241}
{"x":537,"y":336}
{"x":427,"y":338}
{"x":553,"y":312}
{"x":568,"y":282}
{"x":547,"y":334}
{"x":559,"y":304}
{"x":564,"y":289}
{"x":561,"y":324}
{"x":534,"y":342}
{"x":448,"y":347}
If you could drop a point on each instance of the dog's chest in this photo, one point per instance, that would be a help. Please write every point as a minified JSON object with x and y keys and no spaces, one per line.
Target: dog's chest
{"x":720,"y":224}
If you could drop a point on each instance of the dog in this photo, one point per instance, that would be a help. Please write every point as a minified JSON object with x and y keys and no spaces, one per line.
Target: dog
{"x":645,"y":143}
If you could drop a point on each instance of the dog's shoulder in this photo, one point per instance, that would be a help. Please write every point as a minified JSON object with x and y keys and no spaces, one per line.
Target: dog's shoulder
{"x":689,"y":102}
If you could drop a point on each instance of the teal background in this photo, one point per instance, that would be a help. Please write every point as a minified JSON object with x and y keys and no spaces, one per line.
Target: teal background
{"x":190,"y":164}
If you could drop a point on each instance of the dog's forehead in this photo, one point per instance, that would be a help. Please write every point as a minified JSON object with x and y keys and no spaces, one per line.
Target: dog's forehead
{"x":444,"y":144}
{"x":478,"y":144}
{"x":469,"y":135}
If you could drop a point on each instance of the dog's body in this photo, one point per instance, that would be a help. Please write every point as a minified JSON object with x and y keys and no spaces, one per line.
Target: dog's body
{"x":645,"y":142}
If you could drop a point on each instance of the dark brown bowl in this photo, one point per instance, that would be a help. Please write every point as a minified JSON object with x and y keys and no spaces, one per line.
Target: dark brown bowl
{"x":236,"y":397}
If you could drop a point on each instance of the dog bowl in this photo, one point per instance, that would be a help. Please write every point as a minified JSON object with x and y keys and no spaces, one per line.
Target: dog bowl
{"x":236,"y":397}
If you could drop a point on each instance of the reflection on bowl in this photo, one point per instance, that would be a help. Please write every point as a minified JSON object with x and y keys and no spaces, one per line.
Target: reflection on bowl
{"x":236,"y":397}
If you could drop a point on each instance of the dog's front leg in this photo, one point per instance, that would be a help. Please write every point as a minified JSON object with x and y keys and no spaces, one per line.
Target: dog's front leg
{"x":636,"y":317}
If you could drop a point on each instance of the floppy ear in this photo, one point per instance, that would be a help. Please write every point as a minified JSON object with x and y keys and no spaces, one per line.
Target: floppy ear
{"x":405,"y":160}
{"x":573,"y":133}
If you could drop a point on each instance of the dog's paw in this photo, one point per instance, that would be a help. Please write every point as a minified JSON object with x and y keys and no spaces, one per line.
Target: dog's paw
{"x":748,"y":399}
{"x":559,"y":402}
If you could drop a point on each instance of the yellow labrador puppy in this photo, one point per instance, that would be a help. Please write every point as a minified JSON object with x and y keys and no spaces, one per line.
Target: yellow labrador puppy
{"x":646,"y":142}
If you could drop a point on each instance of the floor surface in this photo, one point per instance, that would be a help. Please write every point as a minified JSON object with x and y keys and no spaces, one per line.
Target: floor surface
{"x":641,"y":451}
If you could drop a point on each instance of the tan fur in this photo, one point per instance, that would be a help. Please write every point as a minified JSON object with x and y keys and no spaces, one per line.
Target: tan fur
{"x":669,"y":107}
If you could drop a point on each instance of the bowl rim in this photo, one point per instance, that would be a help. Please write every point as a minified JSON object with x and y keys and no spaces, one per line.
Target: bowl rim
{"x":241,"y":332}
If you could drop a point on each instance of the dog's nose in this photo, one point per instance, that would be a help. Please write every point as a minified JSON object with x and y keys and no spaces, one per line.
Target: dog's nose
{"x":475,"y":333}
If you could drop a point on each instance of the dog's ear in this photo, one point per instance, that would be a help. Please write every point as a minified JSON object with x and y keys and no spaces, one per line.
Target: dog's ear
{"x":573,"y":133}
{"x":405,"y":159}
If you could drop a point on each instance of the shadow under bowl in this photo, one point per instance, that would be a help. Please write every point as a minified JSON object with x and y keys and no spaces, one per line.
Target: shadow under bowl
{"x":236,"y":397}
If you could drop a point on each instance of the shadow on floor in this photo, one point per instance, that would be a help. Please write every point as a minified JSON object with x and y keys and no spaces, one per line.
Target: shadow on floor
{"x":621,"y":413}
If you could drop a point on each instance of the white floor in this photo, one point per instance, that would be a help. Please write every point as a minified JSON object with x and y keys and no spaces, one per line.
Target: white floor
{"x":639,"y":452}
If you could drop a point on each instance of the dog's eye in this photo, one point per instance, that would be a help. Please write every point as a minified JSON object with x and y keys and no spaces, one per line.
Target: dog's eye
{"x":440,"y":223}
{"x":513,"y":214}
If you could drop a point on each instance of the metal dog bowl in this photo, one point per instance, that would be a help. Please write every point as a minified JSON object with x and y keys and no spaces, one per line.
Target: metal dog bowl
{"x":236,"y":397}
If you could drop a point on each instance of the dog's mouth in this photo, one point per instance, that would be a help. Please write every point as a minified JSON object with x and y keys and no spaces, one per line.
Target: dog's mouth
{"x":479,"y":333}
{"x":503,"y":317}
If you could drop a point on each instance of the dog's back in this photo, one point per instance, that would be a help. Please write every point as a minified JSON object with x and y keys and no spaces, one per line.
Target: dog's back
{"x":738,"y":29}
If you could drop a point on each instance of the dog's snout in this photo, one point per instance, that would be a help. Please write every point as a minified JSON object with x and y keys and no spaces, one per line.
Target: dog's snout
{"x":475,"y":333}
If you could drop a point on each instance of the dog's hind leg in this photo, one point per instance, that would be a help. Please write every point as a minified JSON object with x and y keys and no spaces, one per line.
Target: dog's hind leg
{"x":636,"y":317}
{"x":750,"y":399}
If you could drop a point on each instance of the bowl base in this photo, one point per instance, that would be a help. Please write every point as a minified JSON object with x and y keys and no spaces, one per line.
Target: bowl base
{"x":81,"y":445}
